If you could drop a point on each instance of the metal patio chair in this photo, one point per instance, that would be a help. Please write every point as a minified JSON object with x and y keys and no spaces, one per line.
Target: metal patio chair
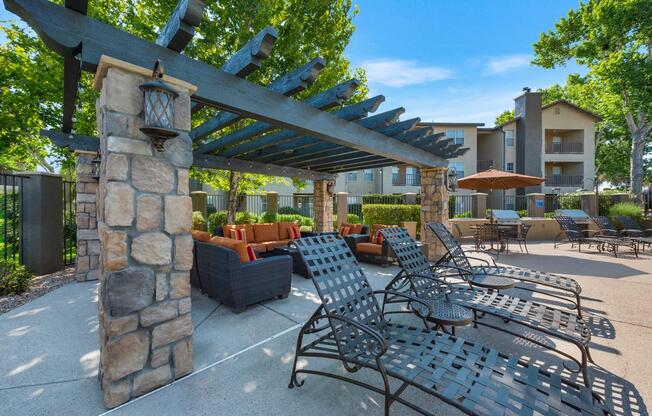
{"x":572,"y":234}
{"x":491,"y":276}
{"x":349,"y":327}
{"x":633,"y":231}
{"x":420,"y":279}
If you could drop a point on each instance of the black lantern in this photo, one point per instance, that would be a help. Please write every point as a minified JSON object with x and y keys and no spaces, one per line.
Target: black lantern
{"x":95,"y":166}
{"x":159,"y":108}
{"x":451,"y":180}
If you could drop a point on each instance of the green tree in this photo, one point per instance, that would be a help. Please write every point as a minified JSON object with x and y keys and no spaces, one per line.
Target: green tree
{"x":504,"y":117}
{"x":613,"y":38}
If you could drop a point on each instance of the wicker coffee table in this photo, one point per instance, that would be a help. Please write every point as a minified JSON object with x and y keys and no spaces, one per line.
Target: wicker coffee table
{"x":298,"y":266}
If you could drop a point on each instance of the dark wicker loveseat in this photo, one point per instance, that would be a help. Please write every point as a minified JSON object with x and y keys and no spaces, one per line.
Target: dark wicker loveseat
{"x":218,"y":272}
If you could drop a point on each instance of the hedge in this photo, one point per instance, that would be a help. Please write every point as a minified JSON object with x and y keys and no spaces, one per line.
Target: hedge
{"x":218,"y":219}
{"x":391,"y":214}
{"x":382,"y":199}
{"x":626,"y":209}
{"x":350,"y":219}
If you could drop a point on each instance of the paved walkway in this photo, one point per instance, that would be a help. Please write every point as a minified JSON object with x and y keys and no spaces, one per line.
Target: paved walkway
{"x":242,"y":362}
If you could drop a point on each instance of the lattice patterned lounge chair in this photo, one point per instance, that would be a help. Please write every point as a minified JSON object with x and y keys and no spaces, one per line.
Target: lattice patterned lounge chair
{"x":490,"y":276}
{"x":632,"y":230}
{"x":417,"y":277}
{"x":349,"y":327}
{"x":572,"y":234}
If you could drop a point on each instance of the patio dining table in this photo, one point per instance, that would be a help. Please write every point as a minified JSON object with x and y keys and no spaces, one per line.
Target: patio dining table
{"x":494,"y":233}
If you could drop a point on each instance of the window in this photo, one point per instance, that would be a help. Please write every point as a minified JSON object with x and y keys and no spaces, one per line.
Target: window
{"x":510,"y":167}
{"x":458,"y":167}
{"x":509,"y":138}
{"x":368,"y":175}
{"x":353,"y":176}
{"x":456,"y":134}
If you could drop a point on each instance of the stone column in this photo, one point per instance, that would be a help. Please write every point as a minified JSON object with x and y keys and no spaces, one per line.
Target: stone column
{"x":536,"y":205}
{"x":323,"y":206}
{"x":144,"y":221}
{"x":272,"y":203}
{"x":200,"y":202}
{"x":342,"y":208}
{"x":87,"y":262}
{"x":590,"y":204}
{"x":479,"y":205}
{"x":434,"y":207}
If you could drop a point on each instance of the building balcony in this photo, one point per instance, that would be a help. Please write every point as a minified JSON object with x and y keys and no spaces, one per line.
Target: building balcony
{"x":564,"y":180}
{"x":483,"y":165}
{"x":565,"y":148}
{"x":408,"y":179}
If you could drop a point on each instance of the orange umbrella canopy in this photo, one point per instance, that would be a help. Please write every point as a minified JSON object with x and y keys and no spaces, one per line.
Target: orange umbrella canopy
{"x":498,"y":179}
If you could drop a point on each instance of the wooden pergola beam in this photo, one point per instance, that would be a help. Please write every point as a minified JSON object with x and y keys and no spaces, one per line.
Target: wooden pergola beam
{"x":350,"y":113}
{"x":249,"y":58}
{"x":71,"y":76}
{"x":72,"y":141}
{"x":219,"y":162}
{"x":287,"y":84}
{"x":180,"y":27}
{"x":324,"y":100}
{"x":80,"y":6}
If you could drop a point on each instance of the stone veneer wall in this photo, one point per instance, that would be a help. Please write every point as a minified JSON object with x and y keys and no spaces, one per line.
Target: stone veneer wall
{"x":144,"y":221}
{"x":87,"y":262}
{"x":323,"y":206}
{"x":434,"y":207}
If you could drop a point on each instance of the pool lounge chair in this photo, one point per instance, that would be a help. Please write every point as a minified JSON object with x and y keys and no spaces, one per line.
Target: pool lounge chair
{"x":562,"y":287}
{"x":418,"y":278}
{"x":573,"y":235}
{"x":349,"y":327}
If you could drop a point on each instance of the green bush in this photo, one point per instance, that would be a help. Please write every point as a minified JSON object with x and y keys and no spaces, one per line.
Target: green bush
{"x":267,"y":217}
{"x":198,"y":221}
{"x":14,"y":278}
{"x":350,"y":219}
{"x":301,"y":220}
{"x":550,"y":215}
{"x":627,"y":209}
{"x":465,"y":214}
{"x":391,"y":214}
{"x":218,"y":219}
{"x":522,"y":213}
{"x":382,"y":199}
{"x":570,"y":201}
{"x":288,"y":211}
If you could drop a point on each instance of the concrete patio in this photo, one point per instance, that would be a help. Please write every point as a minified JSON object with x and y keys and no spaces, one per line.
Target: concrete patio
{"x":242,"y":363}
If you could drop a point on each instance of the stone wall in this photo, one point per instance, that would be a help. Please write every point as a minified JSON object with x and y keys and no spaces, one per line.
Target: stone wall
{"x":144,"y":221}
{"x":87,"y":263}
{"x":434,"y":207}
{"x":323,"y":206}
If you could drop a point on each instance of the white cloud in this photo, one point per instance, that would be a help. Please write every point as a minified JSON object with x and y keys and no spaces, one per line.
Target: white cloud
{"x":503,"y":64}
{"x":400,"y":73}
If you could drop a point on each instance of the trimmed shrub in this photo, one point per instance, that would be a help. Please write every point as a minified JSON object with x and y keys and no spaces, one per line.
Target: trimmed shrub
{"x":218,"y":219}
{"x":288,"y":211}
{"x":570,"y":201}
{"x":350,"y":219}
{"x":391,"y":214}
{"x":465,"y":214}
{"x":198,"y":221}
{"x":382,"y":199}
{"x":627,"y":209}
{"x":268,"y":217}
{"x":522,"y":213}
{"x":301,"y":220}
{"x":14,"y":278}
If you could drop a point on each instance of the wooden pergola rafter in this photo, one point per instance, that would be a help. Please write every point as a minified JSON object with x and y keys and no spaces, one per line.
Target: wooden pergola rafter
{"x":286,"y":137}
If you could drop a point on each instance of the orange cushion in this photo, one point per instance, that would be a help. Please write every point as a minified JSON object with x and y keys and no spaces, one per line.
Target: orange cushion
{"x":239,"y":234}
{"x":247,"y":227}
{"x":259,"y":247}
{"x":354,"y":228}
{"x":271,"y":245}
{"x":201,"y":236}
{"x":238,"y":246}
{"x":369,"y":248}
{"x":344,"y":230}
{"x":265,"y":232}
{"x":295,"y":232}
{"x":284,"y":229}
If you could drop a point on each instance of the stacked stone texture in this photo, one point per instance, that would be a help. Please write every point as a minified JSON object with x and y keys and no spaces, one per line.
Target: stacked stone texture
{"x":144,"y":221}
{"x":323,"y":206}
{"x":434,"y":207}
{"x":87,"y":262}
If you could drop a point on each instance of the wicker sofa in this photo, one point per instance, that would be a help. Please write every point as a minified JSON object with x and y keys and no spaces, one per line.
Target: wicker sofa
{"x":264,"y":238}
{"x":218,"y":272}
{"x":366,"y":250}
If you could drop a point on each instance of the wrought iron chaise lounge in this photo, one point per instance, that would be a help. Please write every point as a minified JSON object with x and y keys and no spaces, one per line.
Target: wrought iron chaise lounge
{"x":572,"y":234}
{"x":418,"y":278}
{"x":486,"y":275}
{"x":349,"y":327}
{"x":633,"y":231}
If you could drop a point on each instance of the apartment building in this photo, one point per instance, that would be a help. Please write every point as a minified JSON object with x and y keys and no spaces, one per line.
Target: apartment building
{"x":556,"y":141}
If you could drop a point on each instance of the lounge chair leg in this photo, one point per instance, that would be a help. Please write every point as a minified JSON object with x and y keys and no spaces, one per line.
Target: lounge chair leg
{"x":294,"y":382}
{"x":588,"y":355}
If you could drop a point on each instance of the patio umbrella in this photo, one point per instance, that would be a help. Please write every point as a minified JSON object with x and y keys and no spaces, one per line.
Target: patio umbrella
{"x":491,"y":179}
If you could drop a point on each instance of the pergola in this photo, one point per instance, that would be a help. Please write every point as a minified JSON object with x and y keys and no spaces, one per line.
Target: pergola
{"x":140,"y":208}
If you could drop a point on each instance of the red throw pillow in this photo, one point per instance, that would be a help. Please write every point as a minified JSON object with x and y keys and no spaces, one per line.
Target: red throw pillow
{"x":251,"y":253}
{"x":239,"y":234}
{"x":294,"y":232}
{"x":345,"y":231}
{"x":379,"y":238}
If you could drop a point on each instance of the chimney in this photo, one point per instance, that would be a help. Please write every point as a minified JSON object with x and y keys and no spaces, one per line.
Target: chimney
{"x":529,"y":135}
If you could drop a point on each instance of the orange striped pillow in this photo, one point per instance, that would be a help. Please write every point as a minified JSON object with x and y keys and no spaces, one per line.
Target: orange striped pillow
{"x":251,"y":253}
{"x":379,"y":238}
{"x":239,"y":234}
{"x":345,"y":231}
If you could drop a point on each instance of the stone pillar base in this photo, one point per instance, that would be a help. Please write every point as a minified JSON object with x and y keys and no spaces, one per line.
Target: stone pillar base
{"x":434,"y":208}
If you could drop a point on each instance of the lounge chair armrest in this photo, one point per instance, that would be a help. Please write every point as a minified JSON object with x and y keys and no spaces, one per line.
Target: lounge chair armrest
{"x":631,"y":233}
{"x":462,"y":271}
{"x":410,"y":298}
{"x":356,"y":238}
{"x":382,"y":345}
{"x":492,"y":256}
{"x":482,"y":260}
{"x":439,"y":280}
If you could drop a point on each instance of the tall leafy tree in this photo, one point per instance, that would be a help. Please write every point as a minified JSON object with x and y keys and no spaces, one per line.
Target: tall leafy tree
{"x":31,"y":75}
{"x":613,"y":38}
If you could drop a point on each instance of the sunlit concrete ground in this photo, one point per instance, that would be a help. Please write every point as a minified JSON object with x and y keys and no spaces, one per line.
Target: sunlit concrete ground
{"x":49,"y":352}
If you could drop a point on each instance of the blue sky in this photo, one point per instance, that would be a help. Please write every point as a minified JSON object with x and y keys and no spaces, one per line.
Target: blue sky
{"x":454,"y":60}
{"x":451,"y":60}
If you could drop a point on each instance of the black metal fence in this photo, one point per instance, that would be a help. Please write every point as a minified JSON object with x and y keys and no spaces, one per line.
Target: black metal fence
{"x":11,"y":226}
{"x":69,"y":222}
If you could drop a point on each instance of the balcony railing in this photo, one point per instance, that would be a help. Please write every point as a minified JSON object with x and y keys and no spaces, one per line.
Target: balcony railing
{"x":564,"y":180}
{"x":408,"y":179}
{"x":565,"y":147}
{"x":484,"y":165}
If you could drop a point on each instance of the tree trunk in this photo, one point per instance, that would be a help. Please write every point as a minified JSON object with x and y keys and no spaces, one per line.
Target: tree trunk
{"x":234,"y":182}
{"x":636,"y":163}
